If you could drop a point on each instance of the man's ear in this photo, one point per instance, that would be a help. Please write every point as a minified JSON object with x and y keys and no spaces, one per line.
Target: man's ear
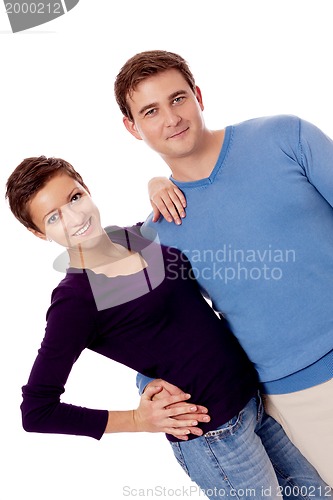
{"x":37,"y":233}
{"x":198,"y":95}
{"x":130,"y":126}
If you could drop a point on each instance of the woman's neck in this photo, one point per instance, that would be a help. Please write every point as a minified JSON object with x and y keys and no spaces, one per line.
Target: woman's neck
{"x":95,"y":252}
{"x":103,"y":256}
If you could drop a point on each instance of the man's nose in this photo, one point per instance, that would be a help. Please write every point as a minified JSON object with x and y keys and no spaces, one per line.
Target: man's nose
{"x":171,"y":117}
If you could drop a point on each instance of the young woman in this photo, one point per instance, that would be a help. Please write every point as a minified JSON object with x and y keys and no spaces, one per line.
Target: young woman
{"x":136,"y":302}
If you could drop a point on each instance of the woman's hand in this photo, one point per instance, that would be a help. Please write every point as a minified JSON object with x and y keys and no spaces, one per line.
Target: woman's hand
{"x":168,"y":413}
{"x":162,"y":408}
{"x":166,"y":199}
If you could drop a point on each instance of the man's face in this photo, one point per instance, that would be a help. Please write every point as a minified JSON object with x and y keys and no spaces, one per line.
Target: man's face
{"x":167,"y":115}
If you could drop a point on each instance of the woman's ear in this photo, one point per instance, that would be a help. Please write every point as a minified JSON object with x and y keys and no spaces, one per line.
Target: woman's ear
{"x":38,"y":234}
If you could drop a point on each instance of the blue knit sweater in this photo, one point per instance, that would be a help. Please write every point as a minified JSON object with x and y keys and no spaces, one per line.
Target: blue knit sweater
{"x":259,"y":235}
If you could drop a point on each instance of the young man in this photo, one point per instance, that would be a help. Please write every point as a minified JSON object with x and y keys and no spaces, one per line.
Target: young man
{"x":258,"y":232}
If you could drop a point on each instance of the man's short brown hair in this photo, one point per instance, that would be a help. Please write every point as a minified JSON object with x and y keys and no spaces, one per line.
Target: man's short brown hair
{"x":142,"y":66}
{"x":28,"y":178}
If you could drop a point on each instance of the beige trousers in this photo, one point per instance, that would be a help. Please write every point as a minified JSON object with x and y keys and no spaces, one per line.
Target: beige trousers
{"x":307,"y":418}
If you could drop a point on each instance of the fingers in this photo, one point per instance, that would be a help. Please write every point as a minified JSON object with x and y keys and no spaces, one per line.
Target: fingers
{"x":178,"y":433}
{"x":188,"y":417}
{"x":183,"y":434}
{"x":201,"y":409}
{"x":156,"y":213}
{"x":151,"y":390}
{"x":175,"y":203}
{"x":182,"y":427}
{"x":166,"y":208}
{"x":168,"y":403}
{"x":172,"y":389}
{"x":179,"y":200}
{"x":196,"y":408}
{"x":170,"y":203}
{"x":165,"y":399}
{"x":163,"y":408}
{"x":187,"y":414}
{"x":183,"y":431}
{"x":175,"y":404}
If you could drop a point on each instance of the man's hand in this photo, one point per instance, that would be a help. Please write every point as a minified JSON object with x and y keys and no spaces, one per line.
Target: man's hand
{"x":166,"y":199}
{"x":186,"y":416}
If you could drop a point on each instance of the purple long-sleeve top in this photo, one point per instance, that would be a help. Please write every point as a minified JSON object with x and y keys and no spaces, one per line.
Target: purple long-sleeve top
{"x":154,"y":321}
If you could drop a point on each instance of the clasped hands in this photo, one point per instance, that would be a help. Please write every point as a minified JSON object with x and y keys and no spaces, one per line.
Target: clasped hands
{"x":163,"y":408}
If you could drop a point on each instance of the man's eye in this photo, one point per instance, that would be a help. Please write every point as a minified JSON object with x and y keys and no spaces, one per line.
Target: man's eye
{"x":179,"y":99}
{"x":150,"y":112}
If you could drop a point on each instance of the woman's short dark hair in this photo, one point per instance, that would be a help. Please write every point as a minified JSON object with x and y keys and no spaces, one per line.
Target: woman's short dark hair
{"x":28,"y":178}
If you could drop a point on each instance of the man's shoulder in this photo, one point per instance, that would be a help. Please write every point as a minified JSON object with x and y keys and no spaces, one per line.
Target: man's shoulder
{"x":150,"y":229}
{"x":270,"y":122}
{"x":147,"y":228}
{"x":267,"y":130}
{"x":161,"y":232}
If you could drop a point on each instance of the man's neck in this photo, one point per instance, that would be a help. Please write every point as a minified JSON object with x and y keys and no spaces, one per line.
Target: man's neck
{"x":200,"y":164}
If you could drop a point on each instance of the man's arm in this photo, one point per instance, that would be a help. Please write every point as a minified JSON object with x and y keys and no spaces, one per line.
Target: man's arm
{"x":167,"y":200}
{"x":142,"y":381}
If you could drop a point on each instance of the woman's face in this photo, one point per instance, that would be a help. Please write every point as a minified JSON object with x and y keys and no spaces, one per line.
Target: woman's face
{"x":65,"y":213}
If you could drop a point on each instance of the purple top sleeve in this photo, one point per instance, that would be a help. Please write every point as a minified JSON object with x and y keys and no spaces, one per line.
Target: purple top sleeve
{"x":70,"y":329}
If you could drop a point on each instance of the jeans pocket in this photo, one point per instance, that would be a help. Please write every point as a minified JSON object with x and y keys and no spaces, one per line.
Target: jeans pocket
{"x":227,"y":429}
{"x":179,"y":456}
{"x":260,"y":407}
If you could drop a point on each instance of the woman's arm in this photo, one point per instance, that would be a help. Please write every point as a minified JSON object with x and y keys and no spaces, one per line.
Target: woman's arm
{"x":71,"y":327}
{"x":166,"y":199}
{"x":69,"y":330}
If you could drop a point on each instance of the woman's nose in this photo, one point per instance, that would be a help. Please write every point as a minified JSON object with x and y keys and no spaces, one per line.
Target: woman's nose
{"x":72,"y":216}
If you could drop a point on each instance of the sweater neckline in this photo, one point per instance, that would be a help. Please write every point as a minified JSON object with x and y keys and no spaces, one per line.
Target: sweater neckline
{"x":220,"y":160}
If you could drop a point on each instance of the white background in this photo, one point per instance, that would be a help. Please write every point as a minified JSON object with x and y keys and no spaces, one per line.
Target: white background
{"x":250,"y":58}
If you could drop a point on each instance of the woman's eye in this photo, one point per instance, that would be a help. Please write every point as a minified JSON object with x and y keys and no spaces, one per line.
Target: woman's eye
{"x":76,"y":197}
{"x":53,"y":218}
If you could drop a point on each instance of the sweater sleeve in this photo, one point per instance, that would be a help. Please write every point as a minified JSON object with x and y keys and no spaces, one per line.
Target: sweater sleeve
{"x":70,"y":329}
{"x":142,"y":381}
{"x":316,"y":158}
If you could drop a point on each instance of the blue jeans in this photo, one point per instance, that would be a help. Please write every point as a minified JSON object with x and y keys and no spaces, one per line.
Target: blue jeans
{"x":249,"y":457}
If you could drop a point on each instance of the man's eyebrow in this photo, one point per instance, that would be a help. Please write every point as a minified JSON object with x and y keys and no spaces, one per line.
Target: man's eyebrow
{"x":155,"y":104}
{"x":177,"y":93}
{"x":148,"y":106}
